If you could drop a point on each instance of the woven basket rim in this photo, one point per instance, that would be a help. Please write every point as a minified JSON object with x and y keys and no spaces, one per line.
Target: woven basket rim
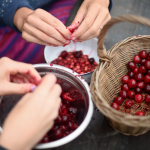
{"x":137,"y":121}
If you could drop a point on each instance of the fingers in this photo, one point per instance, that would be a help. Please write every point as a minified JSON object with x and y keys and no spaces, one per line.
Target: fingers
{"x":46,"y":84}
{"x":87,"y":22}
{"x":41,"y":36}
{"x":95,"y":30}
{"x":15,"y":88}
{"x":54,"y":22}
{"x":47,"y":29}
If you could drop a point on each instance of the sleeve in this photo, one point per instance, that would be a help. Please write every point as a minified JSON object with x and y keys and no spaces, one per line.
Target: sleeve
{"x":1,"y":148}
{"x":8,"y":9}
{"x":110,"y":5}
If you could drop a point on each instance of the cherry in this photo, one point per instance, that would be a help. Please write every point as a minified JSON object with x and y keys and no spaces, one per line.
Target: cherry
{"x":118,"y":100}
{"x":148,"y":72}
{"x":57,"y":134}
{"x":139,"y":98}
{"x":147,"y":98}
{"x":65,"y":118}
{"x":141,"y":85}
{"x":45,"y":139}
{"x":147,"y":79}
{"x":115,"y":106}
{"x":132,"y":83}
{"x":147,"y":64}
{"x":140,"y":113}
{"x":75,"y":94}
{"x":73,"y":110}
{"x":143,"y":61}
{"x":70,"y":125}
{"x":125,"y":79}
{"x":71,"y":30}
{"x":143,"y":54}
{"x":139,"y":77}
{"x":77,"y":54}
{"x":137,"y":90}
{"x":142,"y":69}
{"x":123,"y":94}
{"x":64,"y":128}
{"x":75,"y":126}
{"x":147,"y":88}
{"x":125,"y":87}
{"x":63,"y":110}
{"x":64,"y":54}
{"x":137,"y":59}
{"x":58,"y":119}
{"x":148,"y":56}
{"x":136,"y":70}
{"x":131,"y":94}
{"x":131,"y":74}
{"x":91,"y":60}
{"x":128,"y":104}
{"x":131,"y":65}
{"x":67,"y":103}
{"x":66,"y":96}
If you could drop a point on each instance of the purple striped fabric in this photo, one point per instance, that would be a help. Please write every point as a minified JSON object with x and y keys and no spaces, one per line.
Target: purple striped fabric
{"x":13,"y":46}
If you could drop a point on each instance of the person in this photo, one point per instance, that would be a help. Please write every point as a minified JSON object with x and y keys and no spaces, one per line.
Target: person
{"x":39,"y":26}
{"x":19,"y":132}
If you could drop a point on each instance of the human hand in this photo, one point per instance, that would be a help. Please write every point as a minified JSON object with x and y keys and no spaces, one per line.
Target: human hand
{"x":92,"y":15}
{"x":17,"y":77}
{"x":32,"y":116}
{"x":41,"y":27}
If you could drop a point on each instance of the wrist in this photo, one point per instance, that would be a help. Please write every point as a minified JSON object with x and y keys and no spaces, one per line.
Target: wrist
{"x":20,"y":15}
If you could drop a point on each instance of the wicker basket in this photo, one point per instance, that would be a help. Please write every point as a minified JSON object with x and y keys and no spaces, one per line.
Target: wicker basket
{"x":106,"y":80}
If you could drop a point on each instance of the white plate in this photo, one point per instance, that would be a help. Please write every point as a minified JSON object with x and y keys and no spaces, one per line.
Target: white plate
{"x":88,"y":47}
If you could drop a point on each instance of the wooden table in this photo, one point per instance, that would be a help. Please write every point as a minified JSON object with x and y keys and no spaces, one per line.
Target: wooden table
{"x":99,"y":135}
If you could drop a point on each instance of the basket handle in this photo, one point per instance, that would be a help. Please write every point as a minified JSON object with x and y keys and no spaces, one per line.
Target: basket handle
{"x":102,"y":54}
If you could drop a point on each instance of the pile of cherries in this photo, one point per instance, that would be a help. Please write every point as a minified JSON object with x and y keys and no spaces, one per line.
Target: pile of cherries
{"x":76,"y":61}
{"x":66,"y":122}
{"x":136,"y":84}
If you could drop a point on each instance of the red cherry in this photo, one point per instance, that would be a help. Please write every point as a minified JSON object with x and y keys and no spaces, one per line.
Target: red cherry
{"x":128,"y":104}
{"x":115,"y":106}
{"x":147,"y":98}
{"x":64,"y":128}
{"x":65,"y":118}
{"x":71,"y":30}
{"x":136,"y":70}
{"x":70,"y":125}
{"x":123,"y":94}
{"x":73,"y":110}
{"x":147,"y":64}
{"x":147,"y":88}
{"x":147,"y":79}
{"x":143,"y":54}
{"x":58,"y":119}
{"x":140,"y":113}
{"x":139,"y":77}
{"x":118,"y":100}
{"x":132,"y":83}
{"x":57,"y":134}
{"x":64,"y":54}
{"x":137,"y":90}
{"x":131,"y":74}
{"x":131,"y":65}
{"x":148,"y":56}
{"x":131,"y":94}
{"x":139,"y":98}
{"x":137,"y":59}
{"x":45,"y":139}
{"x":143,"y":61}
{"x":142,"y":69}
{"x":77,"y":54}
{"x":141,"y":85}
{"x":63,"y":110}
{"x":148,"y":72}
{"x":91,"y":60}
{"x":125,"y":79}
{"x":66,"y":96}
{"x":125,"y":87}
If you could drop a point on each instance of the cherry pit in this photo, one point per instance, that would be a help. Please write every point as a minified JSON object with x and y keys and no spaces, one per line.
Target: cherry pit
{"x":135,"y":90}
{"x":76,"y":61}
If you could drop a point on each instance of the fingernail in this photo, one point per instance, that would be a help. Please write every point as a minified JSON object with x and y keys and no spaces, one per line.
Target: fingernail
{"x":73,"y":38}
{"x":75,"y":41}
{"x":69,"y":37}
{"x":33,"y":88}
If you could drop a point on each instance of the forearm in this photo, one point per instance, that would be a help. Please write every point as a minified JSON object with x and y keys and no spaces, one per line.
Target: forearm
{"x":20,"y":15}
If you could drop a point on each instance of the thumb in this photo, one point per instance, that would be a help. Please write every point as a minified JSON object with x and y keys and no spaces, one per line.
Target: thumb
{"x":15,"y":88}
